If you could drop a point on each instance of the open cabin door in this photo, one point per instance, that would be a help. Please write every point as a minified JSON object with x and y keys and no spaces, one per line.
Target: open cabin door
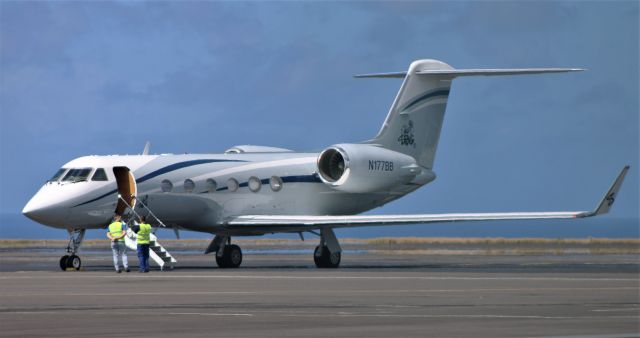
{"x":126,"y":188}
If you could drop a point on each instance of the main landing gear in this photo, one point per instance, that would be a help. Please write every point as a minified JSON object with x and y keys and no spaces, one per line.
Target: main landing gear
{"x":71,"y":260}
{"x":328,"y":253}
{"x":227,"y":255}
{"x":326,"y":259}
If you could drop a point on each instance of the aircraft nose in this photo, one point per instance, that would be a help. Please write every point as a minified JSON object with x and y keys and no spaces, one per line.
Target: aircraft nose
{"x":34,"y":209}
{"x":40,"y":210}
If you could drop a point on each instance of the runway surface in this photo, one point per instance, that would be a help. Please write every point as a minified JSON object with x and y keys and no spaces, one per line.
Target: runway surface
{"x":283,"y":295}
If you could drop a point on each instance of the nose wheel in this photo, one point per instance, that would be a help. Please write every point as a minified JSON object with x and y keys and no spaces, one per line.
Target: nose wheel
{"x":71,"y":260}
{"x":63,"y":262}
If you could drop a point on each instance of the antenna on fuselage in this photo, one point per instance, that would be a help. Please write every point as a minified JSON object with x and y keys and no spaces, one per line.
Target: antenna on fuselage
{"x":145,"y":151}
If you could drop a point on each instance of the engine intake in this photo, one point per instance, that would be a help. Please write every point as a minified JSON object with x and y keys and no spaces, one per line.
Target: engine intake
{"x":365,"y":168}
{"x":331,"y":164}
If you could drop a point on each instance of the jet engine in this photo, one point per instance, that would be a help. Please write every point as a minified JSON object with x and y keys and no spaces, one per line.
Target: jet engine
{"x":361,"y":168}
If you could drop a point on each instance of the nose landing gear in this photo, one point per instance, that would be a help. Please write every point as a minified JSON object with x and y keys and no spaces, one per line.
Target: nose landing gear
{"x":71,"y":260}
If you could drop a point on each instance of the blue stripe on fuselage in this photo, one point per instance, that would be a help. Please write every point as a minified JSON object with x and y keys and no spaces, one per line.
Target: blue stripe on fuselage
{"x":286,"y":179}
{"x":302,"y":179}
{"x":177,"y":166}
{"x":159,"y":172}
{"x":97,"y":198}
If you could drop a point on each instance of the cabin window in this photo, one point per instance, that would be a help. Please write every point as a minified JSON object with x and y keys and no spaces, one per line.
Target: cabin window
{"x":232,"y":184}
{"x":212,"y":185}
{"x":77,"y":175}
{"x":189,"y":185}
{"x":276,"y":183}
{"x":166,"y":186}
{"x":254,"y":184}
{"x":99,"y":175}
{"x":57,"y":175}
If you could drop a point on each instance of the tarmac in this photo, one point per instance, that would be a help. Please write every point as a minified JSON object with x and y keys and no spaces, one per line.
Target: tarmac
{"x":284,"y":295}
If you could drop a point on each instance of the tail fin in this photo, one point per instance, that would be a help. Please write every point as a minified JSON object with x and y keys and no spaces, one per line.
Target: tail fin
{"x":415,"y":119}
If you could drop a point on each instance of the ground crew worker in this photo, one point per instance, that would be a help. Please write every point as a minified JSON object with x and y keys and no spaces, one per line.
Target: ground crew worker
{"x":117,"y":231}
{"x":144,"y":238}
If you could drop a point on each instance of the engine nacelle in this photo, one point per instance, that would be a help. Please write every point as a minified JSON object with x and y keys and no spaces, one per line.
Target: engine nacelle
{"x":363,"y":168}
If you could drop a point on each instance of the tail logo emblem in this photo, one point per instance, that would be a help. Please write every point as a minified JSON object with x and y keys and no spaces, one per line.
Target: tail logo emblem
{"x":611,"y":198}
{"x":406,"y":137}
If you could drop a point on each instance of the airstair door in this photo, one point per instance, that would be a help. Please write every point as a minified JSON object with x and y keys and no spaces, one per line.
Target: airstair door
{"x":126,"y":188}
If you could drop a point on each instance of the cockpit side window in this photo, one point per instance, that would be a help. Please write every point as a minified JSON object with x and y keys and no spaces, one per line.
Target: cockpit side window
{"x":77,"y":175}
{"x":99,"y":175}
{"x":58,"y":174}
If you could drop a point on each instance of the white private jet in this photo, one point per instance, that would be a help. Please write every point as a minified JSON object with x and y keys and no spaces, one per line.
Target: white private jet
{"x":255,"y":190}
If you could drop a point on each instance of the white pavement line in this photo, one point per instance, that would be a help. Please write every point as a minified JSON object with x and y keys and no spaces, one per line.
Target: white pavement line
{"x":325,"y":315}
{"x":211,"y":314}
{"x":456,"y":316}
{"x":159,"y":293}
{"x":12,"y":294}
{"x":157,"y":276}
{"x":119,"y":313}
{"x":617,"y":310}
{"x":77,"y":312}
{"x":609,"y":335}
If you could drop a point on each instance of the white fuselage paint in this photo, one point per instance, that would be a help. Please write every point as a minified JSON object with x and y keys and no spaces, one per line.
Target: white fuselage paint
{"x":91,"y":204}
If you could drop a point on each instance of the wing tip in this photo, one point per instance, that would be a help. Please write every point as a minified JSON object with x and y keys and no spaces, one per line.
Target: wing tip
{"x":610,"y":197}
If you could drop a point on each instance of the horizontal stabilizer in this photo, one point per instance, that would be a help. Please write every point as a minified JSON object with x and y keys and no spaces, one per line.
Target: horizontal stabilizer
{"x":399,"y":75}
{"x":495,"y":72}
{"x":472,"y":72}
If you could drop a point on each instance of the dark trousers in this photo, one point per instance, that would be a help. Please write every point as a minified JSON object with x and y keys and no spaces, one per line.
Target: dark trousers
{"x":143,"y":257}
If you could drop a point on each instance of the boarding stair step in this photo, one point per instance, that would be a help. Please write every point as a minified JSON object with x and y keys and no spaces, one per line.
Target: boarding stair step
{"x":157,"y":252}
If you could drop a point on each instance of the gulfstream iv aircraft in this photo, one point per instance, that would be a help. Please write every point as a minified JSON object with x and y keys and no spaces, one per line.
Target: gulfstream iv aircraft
{"x":256,"y":190}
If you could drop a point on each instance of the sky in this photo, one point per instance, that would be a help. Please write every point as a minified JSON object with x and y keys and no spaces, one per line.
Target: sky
{"x":80,"y":78}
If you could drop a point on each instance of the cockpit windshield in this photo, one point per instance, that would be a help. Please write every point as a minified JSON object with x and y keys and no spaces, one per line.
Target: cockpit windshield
{"x":58,"y":174}
{"x":77,"y":175}
{"x":99,"y":175}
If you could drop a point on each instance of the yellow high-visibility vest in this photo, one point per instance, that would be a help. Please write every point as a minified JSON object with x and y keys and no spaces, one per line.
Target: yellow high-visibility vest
{"x":115,"y":229}
{"x":144,"y":234}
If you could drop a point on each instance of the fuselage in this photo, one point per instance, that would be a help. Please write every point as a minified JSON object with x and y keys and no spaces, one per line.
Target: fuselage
{"x":196,"y":191}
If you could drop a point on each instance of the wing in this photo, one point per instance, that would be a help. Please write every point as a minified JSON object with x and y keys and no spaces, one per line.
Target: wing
{"x":270,"y":223}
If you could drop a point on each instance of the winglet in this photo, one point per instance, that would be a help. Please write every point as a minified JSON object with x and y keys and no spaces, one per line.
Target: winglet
{"x":609,"y":197}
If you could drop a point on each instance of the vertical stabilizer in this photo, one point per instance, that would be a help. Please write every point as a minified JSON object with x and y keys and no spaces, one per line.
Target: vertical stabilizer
{"x":415,"y":119}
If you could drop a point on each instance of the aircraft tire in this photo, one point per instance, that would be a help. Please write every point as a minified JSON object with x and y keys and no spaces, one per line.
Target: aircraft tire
{"x":327,"y":260}
{"x":234,"y":256}
{"x":231,"y":257}
{"x":74,"y":262}
{"x":317,"y":258}
{"x":63,"y":262}
{"x":221,"y":261}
